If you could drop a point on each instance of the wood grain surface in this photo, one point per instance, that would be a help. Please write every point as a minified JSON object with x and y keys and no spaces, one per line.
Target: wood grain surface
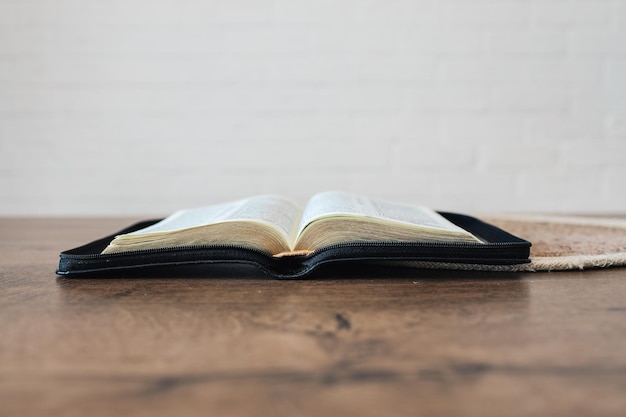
{"x":227,"y":341}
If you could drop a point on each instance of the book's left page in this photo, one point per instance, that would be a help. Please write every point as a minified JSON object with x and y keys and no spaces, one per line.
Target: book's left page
{"x":267,"y":223}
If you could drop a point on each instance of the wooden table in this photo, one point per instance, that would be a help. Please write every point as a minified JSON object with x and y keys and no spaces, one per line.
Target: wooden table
{"x":347,"y":343}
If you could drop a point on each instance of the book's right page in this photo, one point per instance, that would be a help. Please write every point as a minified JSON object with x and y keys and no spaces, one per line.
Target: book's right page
{"x":333,"y":216}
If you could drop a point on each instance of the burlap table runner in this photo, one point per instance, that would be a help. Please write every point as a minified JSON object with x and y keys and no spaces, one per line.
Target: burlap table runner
{"x":558,"y":243}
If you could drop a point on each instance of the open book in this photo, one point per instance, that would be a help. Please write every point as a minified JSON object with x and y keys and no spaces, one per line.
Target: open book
{"x":279,"y":227}
{"x":286,"y":241}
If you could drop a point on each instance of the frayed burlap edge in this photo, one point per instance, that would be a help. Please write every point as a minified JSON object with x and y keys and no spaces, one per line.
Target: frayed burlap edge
{"x":546,"y":264}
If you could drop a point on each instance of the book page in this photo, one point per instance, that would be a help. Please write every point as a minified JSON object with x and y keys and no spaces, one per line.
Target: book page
{"x":279,"y":212}
{"x":337,"y":204}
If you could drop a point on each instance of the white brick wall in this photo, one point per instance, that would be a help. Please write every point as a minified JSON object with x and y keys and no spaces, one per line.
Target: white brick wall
{"x":146,"y":106}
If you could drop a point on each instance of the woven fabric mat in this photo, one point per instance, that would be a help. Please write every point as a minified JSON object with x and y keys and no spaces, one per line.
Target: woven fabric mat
{"x":558,"y":244}
{"x":565,"y":243}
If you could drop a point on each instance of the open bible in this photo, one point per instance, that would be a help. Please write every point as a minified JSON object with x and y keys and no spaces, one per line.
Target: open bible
{"x":285,"y":240}
{"x":278,"y":226}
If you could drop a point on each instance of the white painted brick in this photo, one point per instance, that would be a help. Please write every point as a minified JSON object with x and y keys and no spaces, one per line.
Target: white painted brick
{"x":565,"y":71}
{"x":479,"y":192}
{"x":20,"y":41}
{"x":565,"y":129}
{"x":589,"y":154}
{"x":350,"y":68}
{"x":569,"y":14}
{"x":481,"y":70}
{"x":319,"y":12}
{"x":424,"y":155}
{"x":615,"y":80}
{"x":526,"y":44}
{"x":489,"y":13}
{"x":598,"y":43}
{"x":400,"y":12}
{"x":444,"y":98}
{"x":564,"y":192}
{"x":545,"y":98}
{"x":483,"y":130}
{"x":364,"y":99}
{"x":353,"y":38}
{"x":138,"y":12}
{"x":391,"y":129}
{"x":422,"y":188}
{"x":616,"y":127}
{"x":514,"y":157}
{"x":296,"y":156}
{"x":487,"y":105}
{"x":618,"y":15}
{"x":595,"y":101}
{"x":615,"y":198}
{"x":279,"y":129}
{"x":15,"y":13}
{"x":438,"y":42}
{"x":265,"y":100}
